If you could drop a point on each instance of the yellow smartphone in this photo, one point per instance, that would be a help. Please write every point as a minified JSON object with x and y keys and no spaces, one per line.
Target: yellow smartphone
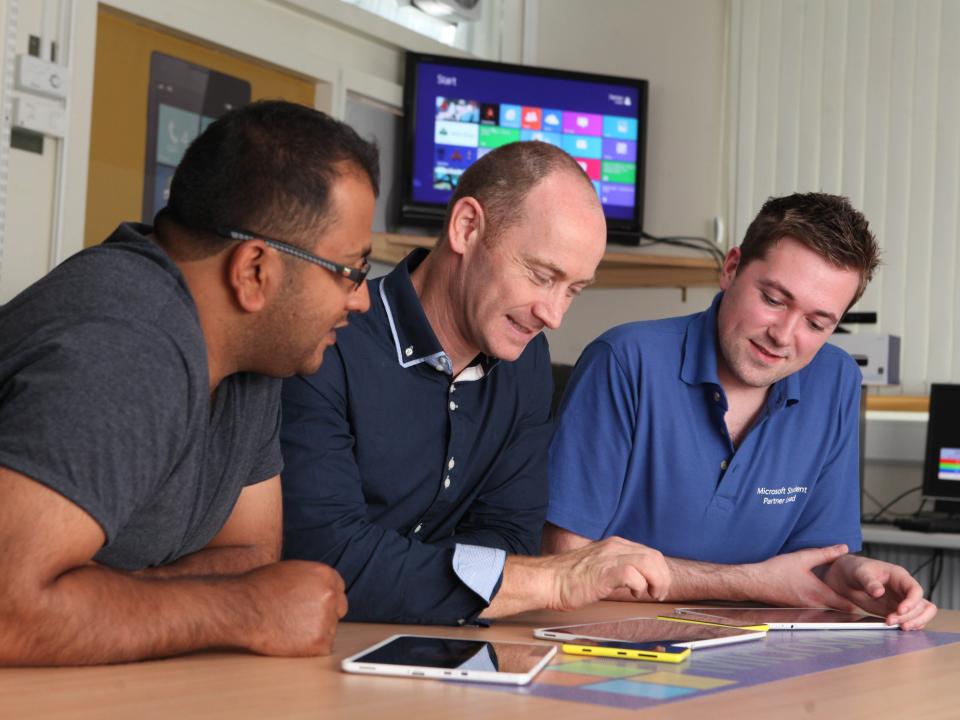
{"x":656,"y":652}
{"x":695,"y":621}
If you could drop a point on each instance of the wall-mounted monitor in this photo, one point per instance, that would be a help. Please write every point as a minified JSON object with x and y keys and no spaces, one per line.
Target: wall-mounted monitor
{"x":457,"y":110}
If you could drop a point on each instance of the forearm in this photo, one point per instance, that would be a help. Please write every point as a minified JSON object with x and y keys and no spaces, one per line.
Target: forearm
{"x":212,"y":561}
{"x":93,"y":615}
{"x":694,"y":580}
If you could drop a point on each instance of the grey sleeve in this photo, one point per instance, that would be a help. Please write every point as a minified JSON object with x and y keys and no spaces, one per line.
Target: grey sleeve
{"x":96,"y":413}
{"x":269,"y":461}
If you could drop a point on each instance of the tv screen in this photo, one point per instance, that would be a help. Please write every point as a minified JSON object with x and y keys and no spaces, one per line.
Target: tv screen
{"x":455,"y":111}
{"x":941,"y":469}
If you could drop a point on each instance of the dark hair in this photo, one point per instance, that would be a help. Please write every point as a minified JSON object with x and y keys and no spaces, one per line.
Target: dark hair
{"x":827,"y":224}
{"x":501,"y":180}
{"x":266,"y":167}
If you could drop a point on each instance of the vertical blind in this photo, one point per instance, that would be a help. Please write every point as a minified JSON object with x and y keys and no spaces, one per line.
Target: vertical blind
{"x":861,"y":98}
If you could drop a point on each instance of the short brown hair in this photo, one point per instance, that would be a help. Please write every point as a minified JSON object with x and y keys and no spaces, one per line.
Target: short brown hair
{"x":502,"y":179}
{"x":827,"y":224}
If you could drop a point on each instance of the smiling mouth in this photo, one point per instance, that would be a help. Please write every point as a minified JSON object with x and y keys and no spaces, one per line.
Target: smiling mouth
{"x":763,"y":352}
{"x":521,"y":328}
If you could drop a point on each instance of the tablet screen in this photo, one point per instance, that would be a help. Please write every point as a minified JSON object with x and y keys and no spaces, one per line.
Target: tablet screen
{"x":777,"y":616}
{"x":650,"y":630}
{"x":458,"y":654}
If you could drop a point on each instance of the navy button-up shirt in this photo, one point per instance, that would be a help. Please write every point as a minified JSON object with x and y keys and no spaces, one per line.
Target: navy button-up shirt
{"x":391,"y":463}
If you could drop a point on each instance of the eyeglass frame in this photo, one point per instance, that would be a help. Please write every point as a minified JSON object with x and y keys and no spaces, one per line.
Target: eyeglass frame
{"x":356,"y":275}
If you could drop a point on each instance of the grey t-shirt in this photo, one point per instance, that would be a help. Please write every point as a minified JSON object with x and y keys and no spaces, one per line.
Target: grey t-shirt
{"x":104,"y":397}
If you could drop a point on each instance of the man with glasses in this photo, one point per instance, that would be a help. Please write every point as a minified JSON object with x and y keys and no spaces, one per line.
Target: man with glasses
{"x":139,"y":405}
{"x":416,"y":456}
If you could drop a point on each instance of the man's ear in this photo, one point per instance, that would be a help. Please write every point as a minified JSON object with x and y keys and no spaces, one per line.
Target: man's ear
{"x":252,"y":274}
{"x":730,"y":266}
{"x":466,"y":225}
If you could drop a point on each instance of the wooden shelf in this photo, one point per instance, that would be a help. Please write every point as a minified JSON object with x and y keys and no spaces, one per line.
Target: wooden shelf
{"x":901,"y":403}
{"x":618,"y":269}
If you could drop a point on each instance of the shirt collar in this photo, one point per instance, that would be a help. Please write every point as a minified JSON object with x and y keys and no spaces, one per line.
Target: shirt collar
{"x":699,"y":363}
{"x":413,"y":337}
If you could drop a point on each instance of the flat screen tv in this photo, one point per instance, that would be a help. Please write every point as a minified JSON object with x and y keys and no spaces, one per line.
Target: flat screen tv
{"x":457,"y":110}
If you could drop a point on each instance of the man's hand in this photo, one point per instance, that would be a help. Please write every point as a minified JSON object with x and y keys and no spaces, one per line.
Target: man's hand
{"x":581,"y":576}
{"x":296,"y":606}
{"x":605,"y":568}
{"x":792,"y":580}
{"x":880,"y":588}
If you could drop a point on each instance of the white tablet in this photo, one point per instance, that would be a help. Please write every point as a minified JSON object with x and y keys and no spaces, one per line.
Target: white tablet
{"x":653,"y":631}
{"x":452,"y":659}
{"x":786,"y":618}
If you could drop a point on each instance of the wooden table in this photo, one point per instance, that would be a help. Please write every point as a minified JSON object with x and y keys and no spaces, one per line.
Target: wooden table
{"x":922,"y":684}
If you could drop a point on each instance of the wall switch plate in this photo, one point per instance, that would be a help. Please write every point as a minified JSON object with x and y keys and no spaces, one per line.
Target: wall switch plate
{"x":44,"y":78}
{"x":47,"y":117}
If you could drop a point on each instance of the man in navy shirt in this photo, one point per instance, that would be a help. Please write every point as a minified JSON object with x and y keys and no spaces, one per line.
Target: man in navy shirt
{"x":416,"y":456}
{"x":728,"y":439}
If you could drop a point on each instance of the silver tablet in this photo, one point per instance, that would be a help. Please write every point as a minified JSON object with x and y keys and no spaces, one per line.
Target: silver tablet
{"x":452,"y":659}
{"x":786,"y":618}
{"x":652,"y":630}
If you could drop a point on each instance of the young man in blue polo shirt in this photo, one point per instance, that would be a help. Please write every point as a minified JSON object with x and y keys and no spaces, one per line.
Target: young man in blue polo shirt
{"x":416,"y":456}
{"x":728,"y":439}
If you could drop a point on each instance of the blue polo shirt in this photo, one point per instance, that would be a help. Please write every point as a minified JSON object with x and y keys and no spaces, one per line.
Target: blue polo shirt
{"x":412,"y":483}
{"x":641,"y":449}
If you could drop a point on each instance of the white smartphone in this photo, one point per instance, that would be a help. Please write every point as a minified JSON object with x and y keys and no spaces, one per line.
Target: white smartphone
{"x":786,"y":618}
{"x":652,"y":630}
{"x":446,"y":658}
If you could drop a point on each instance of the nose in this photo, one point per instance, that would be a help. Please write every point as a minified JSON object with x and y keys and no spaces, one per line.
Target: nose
{"x":782,"y":329}
{"x":550,"y":310}
{"x":359,"y":300}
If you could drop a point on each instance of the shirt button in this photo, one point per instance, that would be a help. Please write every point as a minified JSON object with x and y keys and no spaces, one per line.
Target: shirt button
{"x":452,"y":388}
{"x":461,"y":621}
{"x":417,"y":528}
{"x":716,"y":397}
{"x":450,"y":464}
{"x":446,"y":481}
{"x":723,"y":464}
{"x":453,"y":406}
{"x":409,"y":351}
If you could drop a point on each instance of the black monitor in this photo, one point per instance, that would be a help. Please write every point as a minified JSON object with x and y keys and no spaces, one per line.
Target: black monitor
{"x":941,"y":467}
{"x":457,"y":110}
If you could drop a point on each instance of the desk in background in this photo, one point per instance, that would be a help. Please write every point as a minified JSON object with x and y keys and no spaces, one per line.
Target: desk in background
{"x":240,"y":686}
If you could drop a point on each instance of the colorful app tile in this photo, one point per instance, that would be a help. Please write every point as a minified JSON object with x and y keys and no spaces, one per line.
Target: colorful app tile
{"x":176,"y":129}
{"x":481,"y":151}
{"x":489,"y":113}
{"x":455,"y":156}
{"x":493,"y":137}
{"x":457,"y":110}
{"x":446,"y":178}
{"x":590,"y":166}
{"x":949,"y":464}
{"x":619,"y":172}
{"x":531,"y":118}
{"x":582,"y":123}
{"x":552,"y":120}
{"x":622,"y":150}
{"x":616,"y":194}
{"x":620,"y":127}
{"x":456,"y":133}
{"x":583,"y":146}
{"x":510,"y":115}
{"x":548,"y":137}
{"x":597,"y":186}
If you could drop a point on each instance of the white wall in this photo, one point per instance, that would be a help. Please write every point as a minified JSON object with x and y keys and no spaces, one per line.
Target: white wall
{"x":679,"y":46}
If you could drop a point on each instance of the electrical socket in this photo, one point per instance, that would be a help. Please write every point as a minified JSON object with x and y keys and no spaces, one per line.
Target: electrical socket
{"x":41,"y":77}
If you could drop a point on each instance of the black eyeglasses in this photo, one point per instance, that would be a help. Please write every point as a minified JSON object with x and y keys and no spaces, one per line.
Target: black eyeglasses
{"x":357,"y":275}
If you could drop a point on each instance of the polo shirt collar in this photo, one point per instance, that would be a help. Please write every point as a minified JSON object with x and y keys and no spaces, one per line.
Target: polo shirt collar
{"x":699,"y":363}
{"x":413,"y":337}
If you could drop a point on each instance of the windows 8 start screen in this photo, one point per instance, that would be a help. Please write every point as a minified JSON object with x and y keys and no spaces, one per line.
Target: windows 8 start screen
{"x":464,"y":113}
